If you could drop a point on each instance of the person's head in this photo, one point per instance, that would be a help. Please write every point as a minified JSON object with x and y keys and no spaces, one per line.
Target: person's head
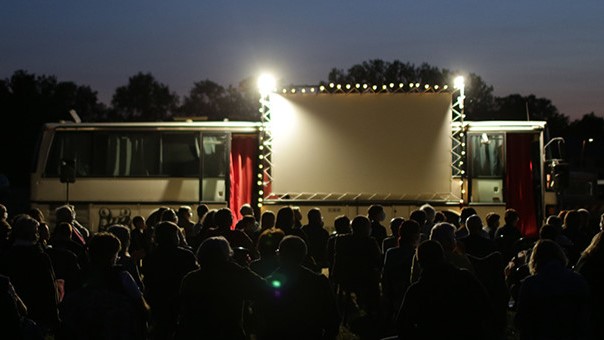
{"x":376,"y":213}
{"x":25,"y":229}
{"x":122,"y":233}
{"x":439,"y":217}
{"x":595,"y":248}
{"x":36,"y":214}
{"x":430,"y":254}
{"x":474,"y":224}
{"x":511,"y":217}
{"x":361,"y":226}
{"x":546,"y":252}
{"x":548,"y":232}
{"x":5,"y":229}
{"x":429,"y":211}
{"x":267,"y":220}
{"x":138,"y":222}
{"x":602,"y":222}
{"x":247,"y":224}
{"x":166,"y":234}
{"x":208,"y":219}
{"x":444,"y":233}
{"x":103,"y":249}
{"x":184,"y":213}
{"x":268,"y":242}
{"x":3,"y":212}
{"x":554,"y":221}
{"x":292,"y":251}
{"x":223,"y":218}
{"x":465,"y":213}
{"x":44,"y":232}
{"x":297,"y":215}
{"x":64,"y":213}
{"x":285,"y":218}
{"x":493,"y":220}
{"x":169,"y":215}
{"x":63,"y":231}
{"x":246,"y":210}
{"x":418,"y":216}
{"x":572,"y":220}
{"x":409,"y":233}
{"x":585,"y":215}
{"x":342,"y":225}
{"x":314,"y":217}
{"x":155,"y":216}
{"x":395,"y":224}
{"x":202,"y":209}
{"x":214,"y":251}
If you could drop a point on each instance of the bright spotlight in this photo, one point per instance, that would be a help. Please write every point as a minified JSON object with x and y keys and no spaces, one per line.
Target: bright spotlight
{"x":459,"y":82}
{"x":266,"y":84}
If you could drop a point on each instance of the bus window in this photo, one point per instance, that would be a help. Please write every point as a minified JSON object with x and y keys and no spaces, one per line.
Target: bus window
{"x":119,"y":154}
{"x":75,"y":146}
{"x":180,"y":154}
{"x":215,"y":167}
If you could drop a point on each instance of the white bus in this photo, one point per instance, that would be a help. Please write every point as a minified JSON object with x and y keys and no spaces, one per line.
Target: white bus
{"x":121,"y":170}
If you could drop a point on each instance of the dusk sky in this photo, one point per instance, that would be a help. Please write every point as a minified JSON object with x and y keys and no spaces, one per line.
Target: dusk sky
{"x":553,"y":49}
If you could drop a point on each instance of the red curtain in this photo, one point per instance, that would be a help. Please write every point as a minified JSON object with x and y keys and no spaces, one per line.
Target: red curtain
{"x":243,"y":155}
{"x":519,"y":182}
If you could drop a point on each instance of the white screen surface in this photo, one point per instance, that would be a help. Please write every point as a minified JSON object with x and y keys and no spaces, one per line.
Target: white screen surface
{"x":395,"y":144}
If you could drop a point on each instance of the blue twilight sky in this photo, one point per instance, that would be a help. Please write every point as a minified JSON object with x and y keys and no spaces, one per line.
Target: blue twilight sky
{"x":550,"y":48}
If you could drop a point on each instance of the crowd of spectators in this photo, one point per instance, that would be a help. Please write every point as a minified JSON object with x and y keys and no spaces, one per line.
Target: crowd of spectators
{"x":169,"y":275}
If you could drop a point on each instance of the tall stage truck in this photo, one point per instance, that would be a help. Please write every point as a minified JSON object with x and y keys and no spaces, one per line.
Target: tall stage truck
{"x":337,"y":147}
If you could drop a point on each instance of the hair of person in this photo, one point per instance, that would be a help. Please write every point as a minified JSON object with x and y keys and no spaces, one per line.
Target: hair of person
{"x":439,"y":217}
{"x":201,"y":210}
{"x":169,"y":215}
{"x":184,"y":211}
{"x":548,"y":232}
{"x":545,"y":252}
{"x":103,"y":248}
{"x":246,"y":209}
{"x":430,"y":254}
{"x":214,"y":250}
{"x":155,"y":216}
{"x":137,"y":220}
{"x":122,"y":233}
{"x":267,"y":219}
{"x":465,"y":213}
{"x":374,"y":211}
{"x":444,"y":233}
{"x":361,"y":226}
{"x":430,"y":212}
{"x":223,"y":218}
{"x":3,"y":212}
{"x":5,"y":229}
{"x":208,"y":219}
{"x":166,"y":234}
{"x":43,"y":231}
{"x":418,"y":216}
{"x":36,"y":214}
{"x":25,"y":228}
{"x":64,"y":213}
{"x":314,"y":216}
{"x":268,"y":242}
{"x":595,"y":247}
{"x":554,"y":220}
{"x":285,"y":218}
{"x":64,"y":230}
{"x":246,"y":221}
{"x":474,"y":224}
{"x":492,"y":218}
{"x":342,"y":224}
{"x":395,"y":225}
{"x":572,"y":219}
{"x":292,"y":250}
{"x":408,"y":232}
{"x":511,"y":216}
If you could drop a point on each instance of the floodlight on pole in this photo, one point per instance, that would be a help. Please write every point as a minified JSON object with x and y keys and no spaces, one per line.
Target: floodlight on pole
{"x":266,"y":84}
{"x":459,"y":83}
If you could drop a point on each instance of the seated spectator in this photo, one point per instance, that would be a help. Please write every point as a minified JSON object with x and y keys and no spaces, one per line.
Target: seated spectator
{"x":66,"y":213}
{"x":316,"y":237}
{"x":591,"y":266}
{"x":342,"y":227}
{"x":141,"y":239}
{"x":237,"y":238}
{"x":507,"y":235}
{"x":444,"y":233}
{"x":477,"y":242}
{"x":249,"y":226}
{"x":163,"y":270}
{"x":572,"y":230}
{"x":377,"y":215}
{"x":396,"y":274}
{"x":492,"y":220}
{"x":302,"y":305}
{"x":62,"y":239}
{"x":357,"y":265}
{"x":430,"y":213}
{"x":186,"y":224}
{"x":31,"y":273}
{"x":445,"y":303}
{"x":392,"y":241}
{"x":462,"y":231}
{"x":267,"y":220}
{"x":124,"y":258}
{"x":268,"y":242}
{"x":212,"y":297}
{"x":553,"y":302}
{"x":419,"y":216}
{"x":110,"y":306}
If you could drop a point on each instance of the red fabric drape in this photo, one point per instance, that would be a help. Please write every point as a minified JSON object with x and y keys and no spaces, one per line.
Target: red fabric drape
{"x":243,"y":154}
{"x":519,"y":182}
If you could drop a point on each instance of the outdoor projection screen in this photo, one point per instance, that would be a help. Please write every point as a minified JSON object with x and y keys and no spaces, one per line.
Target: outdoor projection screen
{"x":371,"y":143}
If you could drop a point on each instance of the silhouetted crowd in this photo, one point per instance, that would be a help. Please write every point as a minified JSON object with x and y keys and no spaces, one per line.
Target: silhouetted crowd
{"x":432,"y":275}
